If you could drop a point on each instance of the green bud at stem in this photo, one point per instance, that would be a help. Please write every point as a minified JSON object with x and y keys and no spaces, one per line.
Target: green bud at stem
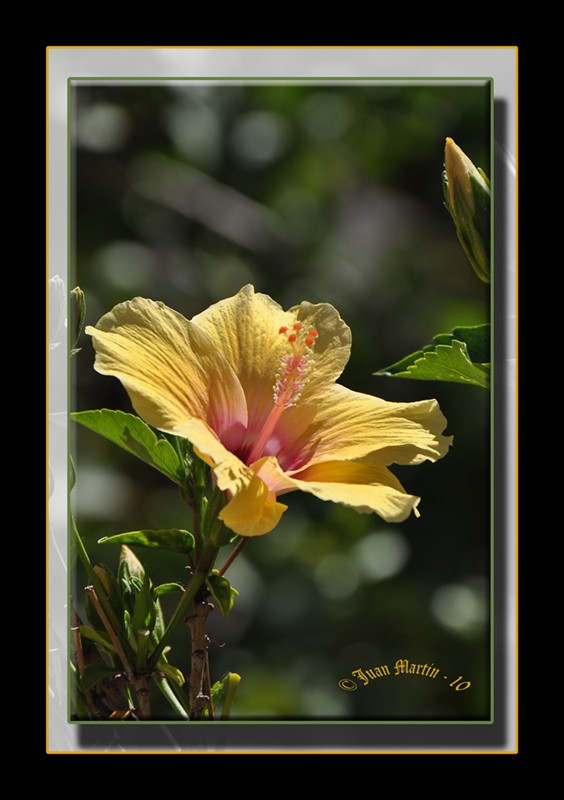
{"x":467,"y":197}
{"x":78,"y":314}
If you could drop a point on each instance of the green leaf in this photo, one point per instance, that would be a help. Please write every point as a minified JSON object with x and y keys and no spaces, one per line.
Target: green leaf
{"x":133,"y":435}
{"x":222,"y":591}
{"x":174,"y":696}
{"x":477,"y":340}
{"x":81,"y":710}
{"x":94,"y":673}
{"x":232,"y":684}
{"x":160,"y":626}
{"x":100,"y":638}
{"x":111,"y":586}
{"x":458,"y":357}
{"x":174,"y":540}
{"x":225,"y":689}
{"x":218,"y":689}
{"x":144,"y":611}
{"x":143,"y":637}
{"x":167,"y":588}
{"x":172,"y":673}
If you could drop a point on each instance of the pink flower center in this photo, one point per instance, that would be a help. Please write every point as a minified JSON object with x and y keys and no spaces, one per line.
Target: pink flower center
{"x":289,"y":382}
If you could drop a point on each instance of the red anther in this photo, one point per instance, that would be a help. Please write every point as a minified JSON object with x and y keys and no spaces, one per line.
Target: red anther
{"x":292,"y":337}
{"x":312,"y":332}
{"x":298,"y":326}
{"x":283,"y":329}
{"x":309,"y":341}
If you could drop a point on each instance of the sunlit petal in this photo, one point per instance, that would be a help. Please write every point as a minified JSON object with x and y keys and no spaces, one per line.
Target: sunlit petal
{"x":169,"y":367}
{"x":364,"y":487}
{"x":350,"y":425}
{"x":245,"y":329}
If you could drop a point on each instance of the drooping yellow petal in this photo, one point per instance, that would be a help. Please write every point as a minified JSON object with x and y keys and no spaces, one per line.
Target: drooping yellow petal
{"x":170,"y":368}
{"x":364,"y":487}
{"x":347,"y":425}
{"x":254,"y":510}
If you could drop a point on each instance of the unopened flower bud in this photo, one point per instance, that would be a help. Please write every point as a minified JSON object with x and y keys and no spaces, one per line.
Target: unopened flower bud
{"x":467,"y":197}
{"x":78,"y":314}
{"x":130,"y":562}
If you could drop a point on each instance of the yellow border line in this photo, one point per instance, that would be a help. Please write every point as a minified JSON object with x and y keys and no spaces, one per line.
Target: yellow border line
{"x":516,"y":401}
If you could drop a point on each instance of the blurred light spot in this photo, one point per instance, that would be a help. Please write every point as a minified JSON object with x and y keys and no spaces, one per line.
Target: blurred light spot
{"x":459,"y":607}
{"x":287,"y":539}
{"x":260,"y":137}
{"x":324,"y":703}
{"x":300,"y":210}
{"x":196,"y":133}
{"x":381,"y":555}
{"x":336,"y":577}
{"x":224,"y":276}
{"x":126,"y":265}
{"x":361,"y":653}
{"x":101,"y":493}
{"x":342,"y":276}
{"x":103,"y":127}
{"x":325,"y":116}
{"x":287,"y":597}
{"x":243,"y":575}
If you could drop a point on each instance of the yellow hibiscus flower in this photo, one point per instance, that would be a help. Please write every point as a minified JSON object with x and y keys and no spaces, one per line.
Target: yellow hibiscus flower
{"x":253,"y":387}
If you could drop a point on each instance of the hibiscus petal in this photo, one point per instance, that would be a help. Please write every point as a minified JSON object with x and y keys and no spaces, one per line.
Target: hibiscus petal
{"x":245,"y":328}
{"x":349,"y":425}
{"x":364,"y":487}
{"x":268,"y":470}
{"x":254,"y":510}
{"x":170,"y":368}
{"x":331,"y":350}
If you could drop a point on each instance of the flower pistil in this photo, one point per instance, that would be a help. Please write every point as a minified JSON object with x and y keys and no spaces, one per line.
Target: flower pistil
{"x":290,"y":380}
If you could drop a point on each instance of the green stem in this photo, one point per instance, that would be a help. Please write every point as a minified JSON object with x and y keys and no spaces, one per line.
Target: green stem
{"x":180,"y":455}
{"x":234,"y":553}
{"x":197,"y":522}
{"x":203,"y":569}
{"x":129,"y":672}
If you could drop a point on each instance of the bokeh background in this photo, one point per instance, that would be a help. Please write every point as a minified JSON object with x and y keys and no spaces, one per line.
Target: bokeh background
{"x":327,"y":192}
